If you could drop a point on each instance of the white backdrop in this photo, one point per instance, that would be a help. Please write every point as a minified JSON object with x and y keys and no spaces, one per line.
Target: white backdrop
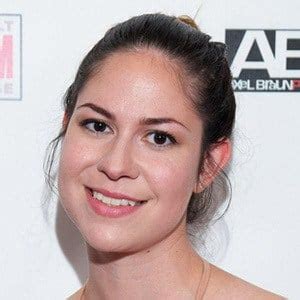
{"x":41,"y":253}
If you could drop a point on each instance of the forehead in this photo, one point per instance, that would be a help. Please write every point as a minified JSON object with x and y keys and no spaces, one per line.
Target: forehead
{"x":138,"y":82}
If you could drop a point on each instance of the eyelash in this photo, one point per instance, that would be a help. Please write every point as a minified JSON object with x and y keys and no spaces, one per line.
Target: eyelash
{"x":169,"y":136}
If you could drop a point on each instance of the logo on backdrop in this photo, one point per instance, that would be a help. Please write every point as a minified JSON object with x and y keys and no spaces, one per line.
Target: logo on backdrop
{"x":264,"y":60}
{"x":10,"y":57}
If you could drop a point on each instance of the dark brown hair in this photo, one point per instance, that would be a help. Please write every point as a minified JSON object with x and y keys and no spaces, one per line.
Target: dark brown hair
{"x":206,"y":76}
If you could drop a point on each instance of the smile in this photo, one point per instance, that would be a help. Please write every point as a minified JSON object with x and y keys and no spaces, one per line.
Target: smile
{"x":111,"y":207}
{"x":115,"y":202}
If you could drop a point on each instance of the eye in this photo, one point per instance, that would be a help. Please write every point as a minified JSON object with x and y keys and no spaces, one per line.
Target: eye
{"x":94,"y":125}
{"x":160,"y":137}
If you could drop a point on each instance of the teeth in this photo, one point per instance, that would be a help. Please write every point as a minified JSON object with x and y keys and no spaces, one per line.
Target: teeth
{"x":114,"y":202}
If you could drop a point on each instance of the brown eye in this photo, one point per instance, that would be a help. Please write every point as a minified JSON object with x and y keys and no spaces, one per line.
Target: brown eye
{"x":94,"y":125}
{"x":98,"y":126}
{"x":161,"y":137}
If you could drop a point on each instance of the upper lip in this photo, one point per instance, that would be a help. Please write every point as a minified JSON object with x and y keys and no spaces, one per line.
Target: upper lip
{"x":114,"y":194}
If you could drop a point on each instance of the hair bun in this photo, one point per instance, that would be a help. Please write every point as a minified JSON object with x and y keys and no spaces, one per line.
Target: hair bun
{"x":188,"y":20}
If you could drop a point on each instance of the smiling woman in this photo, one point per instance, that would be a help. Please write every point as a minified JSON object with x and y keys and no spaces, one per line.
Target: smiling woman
{"x":146,"y":131}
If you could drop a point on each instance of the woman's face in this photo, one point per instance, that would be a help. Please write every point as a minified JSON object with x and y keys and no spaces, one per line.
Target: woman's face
{"x":124,"y":154}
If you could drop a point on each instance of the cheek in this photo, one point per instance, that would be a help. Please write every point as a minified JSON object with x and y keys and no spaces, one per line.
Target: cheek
{"x":76,"y":155}
{"x":73,"y":159}
{"x":174,"y":178}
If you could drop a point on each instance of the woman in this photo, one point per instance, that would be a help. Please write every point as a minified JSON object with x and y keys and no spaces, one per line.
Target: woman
{"x":147,"y":128}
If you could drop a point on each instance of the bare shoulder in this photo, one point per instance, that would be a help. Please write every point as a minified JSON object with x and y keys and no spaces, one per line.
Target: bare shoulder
{"x":223,"y":285}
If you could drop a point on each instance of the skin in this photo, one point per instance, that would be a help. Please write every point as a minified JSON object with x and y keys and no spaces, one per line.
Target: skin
{"x":148,"y":252}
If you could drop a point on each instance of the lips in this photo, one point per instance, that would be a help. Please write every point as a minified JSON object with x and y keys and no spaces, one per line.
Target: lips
{"x":105,"y":210}
{"x":115,"y":195}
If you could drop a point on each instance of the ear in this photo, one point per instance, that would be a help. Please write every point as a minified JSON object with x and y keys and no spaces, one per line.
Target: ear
{"x":219,"y":155}
{"x":65,"y":120}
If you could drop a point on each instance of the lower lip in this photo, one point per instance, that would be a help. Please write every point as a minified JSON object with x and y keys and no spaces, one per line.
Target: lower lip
{"x":102,"y":209}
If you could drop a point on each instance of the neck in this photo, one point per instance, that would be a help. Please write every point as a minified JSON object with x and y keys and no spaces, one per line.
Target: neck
{"x":169,"y":266}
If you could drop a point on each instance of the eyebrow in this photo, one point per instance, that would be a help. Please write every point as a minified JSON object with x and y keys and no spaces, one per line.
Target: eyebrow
{"x":143,"y":121}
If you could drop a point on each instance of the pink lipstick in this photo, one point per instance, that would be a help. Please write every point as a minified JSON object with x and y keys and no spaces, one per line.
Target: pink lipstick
{"x":105,"y":210}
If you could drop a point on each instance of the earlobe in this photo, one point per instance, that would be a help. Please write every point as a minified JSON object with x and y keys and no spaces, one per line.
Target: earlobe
{"x":219,"y":156}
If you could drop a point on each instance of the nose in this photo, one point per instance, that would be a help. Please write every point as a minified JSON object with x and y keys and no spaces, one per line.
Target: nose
{"x":118,"y":160}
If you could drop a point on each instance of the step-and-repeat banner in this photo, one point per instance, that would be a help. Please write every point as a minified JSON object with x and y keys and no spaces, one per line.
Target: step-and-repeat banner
{"x":41,"y":45}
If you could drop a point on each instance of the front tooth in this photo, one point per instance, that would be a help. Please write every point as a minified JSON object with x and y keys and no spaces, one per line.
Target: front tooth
{"x":111,"y":201}
{"x":115,"y":202}
{"x":124,"y":202}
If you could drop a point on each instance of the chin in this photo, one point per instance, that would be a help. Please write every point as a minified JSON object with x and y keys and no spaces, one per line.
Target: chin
{"x":113,"y":240}
{"x":102,"y":240}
